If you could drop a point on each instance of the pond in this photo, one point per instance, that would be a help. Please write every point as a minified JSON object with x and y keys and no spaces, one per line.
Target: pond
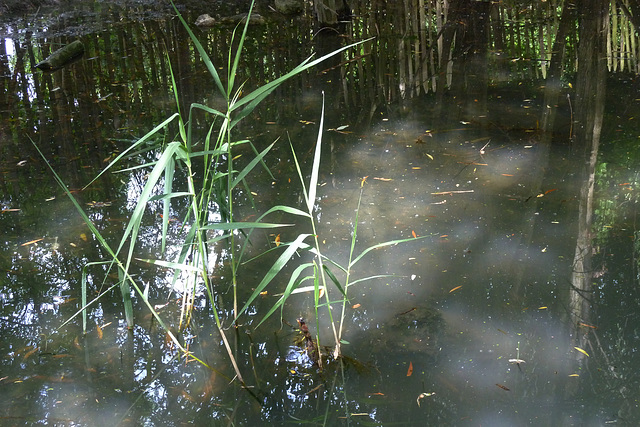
{"x":503,"y":292}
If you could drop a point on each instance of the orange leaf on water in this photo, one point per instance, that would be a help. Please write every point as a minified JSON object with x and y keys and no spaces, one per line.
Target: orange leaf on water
{"x":355,"y":306}
{"x":506,"y":174}
{"x":413,"y":233}
{"x":277,"y":240}
{"x":410,"y":370}
{"x":588,"y":326}
{"x":455,"y":289}
{"x":30,"y":242}
{"x":99,"y":331}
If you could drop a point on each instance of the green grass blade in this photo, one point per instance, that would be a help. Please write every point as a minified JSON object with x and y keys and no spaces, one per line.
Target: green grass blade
{"x":136,"y":144}
{"x":203,"y":54}
{"x":294,"y":282}
{"x":166,"y":202}
{"x":315,"y":169}
{"x":334,"y":279}
{"x":125,"y":291}
{"x":274,"y":270}
{"x":377,"y":276}
{"x":233,"y":70}
{"x":382,"y":245}
{"x":171,"y":265}
{"x":242,"y":225}
{"x":250,"y":166}
{"x":251,"y":100}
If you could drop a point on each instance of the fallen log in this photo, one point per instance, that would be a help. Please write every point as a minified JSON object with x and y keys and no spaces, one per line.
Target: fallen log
{"x":62,"y":56}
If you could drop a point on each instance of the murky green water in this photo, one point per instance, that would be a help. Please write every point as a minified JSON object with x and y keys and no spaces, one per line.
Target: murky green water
{"x":471,"y":325}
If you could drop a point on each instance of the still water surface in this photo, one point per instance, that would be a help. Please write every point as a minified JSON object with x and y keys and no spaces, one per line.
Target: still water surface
{"x":470,"y":326}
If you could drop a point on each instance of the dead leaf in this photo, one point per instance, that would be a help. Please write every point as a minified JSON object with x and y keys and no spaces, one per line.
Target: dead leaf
{"x":413,"y":233}
{"x":422,"y":396}
{"x":455,"y":289}
{"x":277,"y":240}
{"x":31,"y":242}
{"x":355,"y":306}
{"x":410,"y":370}
{"x":503,"y":387}
{"x":588,"y":326}
{"x":99,"y":329}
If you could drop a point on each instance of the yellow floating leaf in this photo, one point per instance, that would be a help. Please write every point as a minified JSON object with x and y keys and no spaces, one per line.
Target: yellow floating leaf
{"x":542,"y":308}
{"x":455,"y":289}
{"x":582,"y":351}
{"x":429,"y":156}
{"x":277,"y":240}
{"x":355,"y":306}
{"x":83,"y":237}
{"x":574,"y":375}
{"x":383,"y":179}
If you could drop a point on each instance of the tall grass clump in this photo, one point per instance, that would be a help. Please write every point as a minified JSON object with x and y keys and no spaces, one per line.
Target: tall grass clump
{"x":215,"y":184}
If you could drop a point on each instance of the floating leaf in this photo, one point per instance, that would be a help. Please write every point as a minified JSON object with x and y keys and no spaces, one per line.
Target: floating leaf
{"x":355,"y":306}
{"x":99,"y":329}
{"x":277,"y":240}
{"x":413,"y":233}
{"x":542,"y":308}
{"x":31,"y":242}
{"x":410,"y":370}
{"x":422,"y":396}
{"x":574,"y":375}
{"x":83,"y":237}
{"x":455,"y":289}
{"x":518,"y":361}
{"x":588,"y":326}
{"x":503,"y":387}
{"x":363,"y":181}
{"x":383,"y":179}
{"x":30,"y":353}
{"x":582,"y":351}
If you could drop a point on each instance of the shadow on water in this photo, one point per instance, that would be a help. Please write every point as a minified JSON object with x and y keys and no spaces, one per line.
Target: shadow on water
{"x":516,"y":307}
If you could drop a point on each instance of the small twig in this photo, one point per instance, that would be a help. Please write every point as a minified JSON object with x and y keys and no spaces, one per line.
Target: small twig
{"x":444,"y":193}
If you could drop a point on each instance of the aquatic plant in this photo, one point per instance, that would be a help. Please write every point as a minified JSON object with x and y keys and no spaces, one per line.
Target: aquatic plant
{"x":219,"y":173}
{"x":215,"y":183}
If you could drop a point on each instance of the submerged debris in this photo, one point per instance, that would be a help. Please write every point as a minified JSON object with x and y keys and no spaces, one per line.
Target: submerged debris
{"x":307,"y":342}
